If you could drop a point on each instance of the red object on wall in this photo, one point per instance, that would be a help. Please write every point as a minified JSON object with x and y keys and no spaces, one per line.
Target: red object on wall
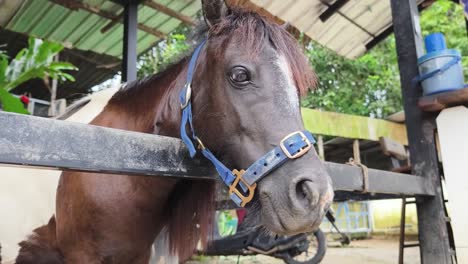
{"x":24,"y":99}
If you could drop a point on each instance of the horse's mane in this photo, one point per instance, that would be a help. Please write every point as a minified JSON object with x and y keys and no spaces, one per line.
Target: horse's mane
{"x":191,"y":204}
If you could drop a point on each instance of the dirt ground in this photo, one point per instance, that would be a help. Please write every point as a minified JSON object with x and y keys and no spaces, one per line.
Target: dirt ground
{"x":372,"y":251}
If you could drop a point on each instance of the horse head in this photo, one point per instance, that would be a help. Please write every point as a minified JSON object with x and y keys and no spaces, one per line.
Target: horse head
{"x":245,"y":93}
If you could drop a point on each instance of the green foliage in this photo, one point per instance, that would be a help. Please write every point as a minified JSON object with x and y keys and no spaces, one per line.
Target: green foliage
{"x":10,"y":103}
{"x":35,"y":61}
{"x":370,"y":85}
{"x":165,"y":53}
{"x":366,"y":86}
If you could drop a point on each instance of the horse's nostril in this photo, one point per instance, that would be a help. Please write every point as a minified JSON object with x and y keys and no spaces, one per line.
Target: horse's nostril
{"x":300,"y":191}
{"x":307,"y":192}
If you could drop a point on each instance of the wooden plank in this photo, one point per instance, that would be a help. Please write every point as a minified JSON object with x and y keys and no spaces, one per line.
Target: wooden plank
{"x":437,"y":102}
{"x":349,"y":178}
{"x":393,"y":148}
{"x":352,"y":126}
{"x":432,"y":222}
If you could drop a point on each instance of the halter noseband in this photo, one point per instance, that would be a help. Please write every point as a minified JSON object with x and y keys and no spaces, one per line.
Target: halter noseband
{"x":292,"y":146}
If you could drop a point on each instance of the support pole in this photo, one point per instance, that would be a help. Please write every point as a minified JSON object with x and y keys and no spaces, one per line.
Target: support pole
{"x":356,"y":151}
{"x":401,"y":249}
{"x":130,"y":41}
{"x":432,"y":222}
{"x":321,"y":150}
{"x":53,"y":93}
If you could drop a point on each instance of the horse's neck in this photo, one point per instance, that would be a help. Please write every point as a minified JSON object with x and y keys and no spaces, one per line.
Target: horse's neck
{"x":149,"y":106}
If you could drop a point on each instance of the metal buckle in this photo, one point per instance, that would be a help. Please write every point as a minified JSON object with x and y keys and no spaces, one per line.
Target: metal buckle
{"x":188,"y":94}
{"x":250,"y":188}
{"x":302,"y":151}
{"x":200,"y":143}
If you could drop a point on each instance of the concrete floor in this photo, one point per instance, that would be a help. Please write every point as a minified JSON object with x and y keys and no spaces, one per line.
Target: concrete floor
{"x":372,"y":251}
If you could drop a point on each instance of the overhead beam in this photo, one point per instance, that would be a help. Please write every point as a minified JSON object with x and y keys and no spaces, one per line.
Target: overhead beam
{"x":112,"y":23}
{"x":332,"y":9}
{"x":389,"y":30}
{"x":158,"y":7}
{"x":383,"y":35}
{"x":76,"y":5}
{"x":47,"y":143}
{"x":166,"y":10}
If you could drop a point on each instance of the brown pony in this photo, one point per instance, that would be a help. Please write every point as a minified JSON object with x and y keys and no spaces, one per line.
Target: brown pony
{"x":245,"y":100}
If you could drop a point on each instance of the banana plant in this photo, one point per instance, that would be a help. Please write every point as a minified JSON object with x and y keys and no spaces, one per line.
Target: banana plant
{"x":35,"y":61}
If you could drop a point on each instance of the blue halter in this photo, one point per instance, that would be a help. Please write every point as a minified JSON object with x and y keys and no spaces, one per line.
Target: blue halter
{"x":292,"y":146}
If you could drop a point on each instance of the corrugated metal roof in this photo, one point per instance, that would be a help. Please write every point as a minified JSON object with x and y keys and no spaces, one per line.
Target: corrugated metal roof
{"x":346,"y":31}
{"x":81,"y":29}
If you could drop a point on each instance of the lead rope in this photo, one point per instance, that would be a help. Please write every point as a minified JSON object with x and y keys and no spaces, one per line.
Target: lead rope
{"x":365,"y":174}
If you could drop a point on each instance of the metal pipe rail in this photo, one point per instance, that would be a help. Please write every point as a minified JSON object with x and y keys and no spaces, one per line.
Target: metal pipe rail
{"x":48,"y":143}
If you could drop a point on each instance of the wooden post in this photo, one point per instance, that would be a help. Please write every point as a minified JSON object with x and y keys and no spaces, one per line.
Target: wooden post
{"x":53,"y":92}
{"x":432,"y":222}
{"x":401,"y":249}
{"x":321,"y":150}
{"x":130,"y":41}
{"x":356,"y":151}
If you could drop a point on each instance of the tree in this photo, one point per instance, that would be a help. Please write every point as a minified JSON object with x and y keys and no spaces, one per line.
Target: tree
{"x":35,"y":61}
{"x":367,"y":86}
{"x":164,"y":53}
{"x":370,"y":85}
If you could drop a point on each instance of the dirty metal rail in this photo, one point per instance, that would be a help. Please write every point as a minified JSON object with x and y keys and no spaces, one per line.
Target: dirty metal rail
{"x":47,"y":143}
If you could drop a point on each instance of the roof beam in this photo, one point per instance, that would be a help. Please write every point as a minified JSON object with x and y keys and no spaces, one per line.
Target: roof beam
{"x":332,"y":9}
{"x":158,"y":7}
{"x":170,"y":12}
{"x":383,"y":35}
{"x":389,"y":30}
{"x":75,"y":5}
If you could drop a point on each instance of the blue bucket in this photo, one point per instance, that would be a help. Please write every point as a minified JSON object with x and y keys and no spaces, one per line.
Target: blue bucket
{"x":440,"y":68}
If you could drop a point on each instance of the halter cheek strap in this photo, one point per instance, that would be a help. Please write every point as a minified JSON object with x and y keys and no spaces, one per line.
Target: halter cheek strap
{"x":241,"y":183}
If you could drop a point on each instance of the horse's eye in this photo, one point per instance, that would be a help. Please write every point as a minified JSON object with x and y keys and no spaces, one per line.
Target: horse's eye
{"x":239,"y":75}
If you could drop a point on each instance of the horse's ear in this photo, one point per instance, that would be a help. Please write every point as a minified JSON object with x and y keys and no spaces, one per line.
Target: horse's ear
{"x":214,"y":11}
{"x":285,"y":25}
